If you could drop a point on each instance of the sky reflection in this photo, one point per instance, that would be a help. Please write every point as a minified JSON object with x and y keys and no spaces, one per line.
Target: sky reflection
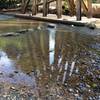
{"x":9,"y":73}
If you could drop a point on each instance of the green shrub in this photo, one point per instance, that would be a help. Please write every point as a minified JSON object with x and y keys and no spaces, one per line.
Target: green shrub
{"x":4,"y":4}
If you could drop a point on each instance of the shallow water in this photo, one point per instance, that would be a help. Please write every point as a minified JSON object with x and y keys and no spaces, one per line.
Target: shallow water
{"x":46,"y":51}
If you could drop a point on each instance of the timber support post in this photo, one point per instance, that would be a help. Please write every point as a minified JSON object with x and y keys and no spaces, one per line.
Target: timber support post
{"x":59,"y":8}
{"x":24,"y":6}
{"x":89,"y":4}
{"x":45,"y":8}
{"x":34,"y":8}
{"x":71,"y":5}
{"x":78,"y":10}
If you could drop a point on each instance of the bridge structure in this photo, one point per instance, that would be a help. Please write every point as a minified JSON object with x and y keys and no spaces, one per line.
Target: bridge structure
{"x":75,"y":7}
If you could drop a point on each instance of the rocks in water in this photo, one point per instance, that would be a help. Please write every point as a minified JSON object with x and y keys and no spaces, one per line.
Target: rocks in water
{"x":51,"y":26}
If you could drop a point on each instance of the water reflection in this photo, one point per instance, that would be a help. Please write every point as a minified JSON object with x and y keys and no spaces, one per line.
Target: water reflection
{"x":6,"y":65}
{"x":52,"y":33}
{"x":10,"y":74}
{"x":53,"y":53}
{"x":3,"y":17}
{"x":44,"y":46}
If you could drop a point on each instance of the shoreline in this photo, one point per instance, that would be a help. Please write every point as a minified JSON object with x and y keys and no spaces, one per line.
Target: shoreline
{"x":67,"y":20}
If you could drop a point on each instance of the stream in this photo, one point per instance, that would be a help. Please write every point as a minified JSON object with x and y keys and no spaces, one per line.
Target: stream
{"x":48,"y":61}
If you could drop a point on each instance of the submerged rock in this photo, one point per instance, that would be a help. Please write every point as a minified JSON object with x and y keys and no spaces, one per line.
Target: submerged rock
{"x":51,"y":26}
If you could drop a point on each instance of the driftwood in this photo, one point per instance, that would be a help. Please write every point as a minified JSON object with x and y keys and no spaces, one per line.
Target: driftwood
{"x":9,"y":34}
{"x":17,"y":33}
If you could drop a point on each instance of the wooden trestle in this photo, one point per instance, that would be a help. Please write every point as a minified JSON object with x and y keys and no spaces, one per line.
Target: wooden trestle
{"x":75,"y":7}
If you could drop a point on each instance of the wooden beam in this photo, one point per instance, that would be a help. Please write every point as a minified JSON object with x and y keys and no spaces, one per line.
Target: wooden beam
{"x":48,"y":7}
{"x":22,"y":5}
{"x":45,"y":8}
{"x":89,"y":4}
{"x":84,"y":7}
{"x":34,"y":10}
{"x":59,"y":8}
{"x":78,"y":9}
{"x":49,"y":1}
{"x":25,"y":6}
{"x":71,"y":5}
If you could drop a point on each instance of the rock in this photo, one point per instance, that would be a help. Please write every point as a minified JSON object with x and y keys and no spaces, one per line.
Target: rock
{"x":70,"y":90}
{"x":76,"y":95}
{"x":90,"y":98}
{"x":16,"y":72}
{"x":13,"y":88}
{"x":88,"y":86}
{"x":77,"y":71}
{"x":11,"y":75}
{"x":51,"y":25}
{"x":79,"y":98}
{"x":91,"y":26}
{"x":46,"y":86}
{"x":65,"y":84}
{"x":1,"y":73}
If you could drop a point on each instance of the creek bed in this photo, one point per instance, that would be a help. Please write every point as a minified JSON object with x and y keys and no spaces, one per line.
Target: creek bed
{"x":34,"y":55}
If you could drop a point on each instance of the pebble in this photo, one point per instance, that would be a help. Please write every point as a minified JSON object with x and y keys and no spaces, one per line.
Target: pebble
{"x":70,"y":90}
{"x":11,"y":75}
{"x":79,"y":98}
{"x":16,"y":72}
{"x":76,"y":95}
{"x":12,"y":88}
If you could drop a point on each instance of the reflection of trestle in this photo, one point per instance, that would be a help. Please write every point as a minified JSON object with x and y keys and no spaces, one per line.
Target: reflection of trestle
{"x":38,"y":49}
{"x":66,"y":73}
{"x":65,"y":56}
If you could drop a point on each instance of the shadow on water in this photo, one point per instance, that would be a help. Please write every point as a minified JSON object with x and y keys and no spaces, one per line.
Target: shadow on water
{"x":54,"y":54}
